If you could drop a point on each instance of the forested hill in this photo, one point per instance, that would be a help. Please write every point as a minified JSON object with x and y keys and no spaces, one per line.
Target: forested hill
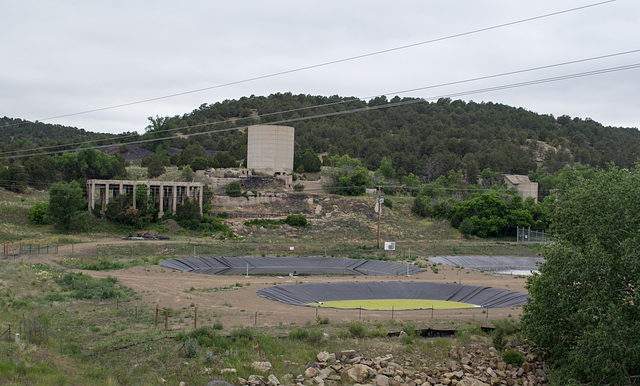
{"x":18,"y":134}
{"x":427,"y":139}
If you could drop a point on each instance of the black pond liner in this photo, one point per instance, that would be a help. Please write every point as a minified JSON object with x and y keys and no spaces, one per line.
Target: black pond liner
{"x":491,"y":263}
{"x":288,"y":265}
{"x":303,"y":294}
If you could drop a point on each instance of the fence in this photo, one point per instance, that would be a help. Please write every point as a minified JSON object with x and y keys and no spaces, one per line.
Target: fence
{"x":166,"y":315}
{"x":17,"y":249}
{"x":526,"y":235}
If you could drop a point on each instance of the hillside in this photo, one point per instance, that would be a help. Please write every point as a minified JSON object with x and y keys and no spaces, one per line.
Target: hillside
{"x":18,"y":134}
{"x":427,"y":139}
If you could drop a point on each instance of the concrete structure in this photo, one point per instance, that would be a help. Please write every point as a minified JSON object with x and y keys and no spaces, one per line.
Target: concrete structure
{"x":525,"y":187}
{"x":270,"y":149}
{"x":167,"y":194}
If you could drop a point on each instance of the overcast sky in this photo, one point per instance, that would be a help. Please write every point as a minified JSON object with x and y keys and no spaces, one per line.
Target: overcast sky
{"x":65,"y":57}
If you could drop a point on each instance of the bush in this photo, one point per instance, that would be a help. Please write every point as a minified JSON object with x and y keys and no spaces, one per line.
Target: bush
{"x":296,"y":220}
{"x":191,"y":348}
{"x":504,"y":328}
{"x":234,"y":189}
{"x":299,"y":334}
{"x":357,"y":330}
{"x":298,"y":187}
{"x":512,"y":357}
{"x":39,"y":213}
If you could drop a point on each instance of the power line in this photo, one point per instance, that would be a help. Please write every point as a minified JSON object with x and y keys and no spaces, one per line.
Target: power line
{"x":328,"y":63}
{"x":13,"y":152}
{"x":372,"y":108}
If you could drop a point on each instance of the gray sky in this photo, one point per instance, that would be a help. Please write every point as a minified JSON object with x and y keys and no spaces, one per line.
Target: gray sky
{"x":64,"y":57}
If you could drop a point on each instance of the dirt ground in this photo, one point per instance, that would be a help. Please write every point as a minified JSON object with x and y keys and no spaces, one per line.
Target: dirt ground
{"x":238,"y":304}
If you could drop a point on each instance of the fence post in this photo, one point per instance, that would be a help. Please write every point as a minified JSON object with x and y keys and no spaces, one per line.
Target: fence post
{"x":157,"y":315}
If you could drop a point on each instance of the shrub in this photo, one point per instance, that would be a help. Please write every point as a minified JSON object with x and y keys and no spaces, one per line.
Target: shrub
{"x":191,"y":348}
{"x":504,"y":328}
{"x":299,"y":334}
{"x":298,"y":187}
{"x":39,"y":213}
{"x":513,"y":357}
{"x":234,"y":189}
{"x":357,"y":330}
{"x":296,"y":220}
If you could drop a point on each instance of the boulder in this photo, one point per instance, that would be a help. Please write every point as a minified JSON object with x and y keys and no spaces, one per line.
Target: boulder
{"x":262,"y":367}
{"x":360,"y":373}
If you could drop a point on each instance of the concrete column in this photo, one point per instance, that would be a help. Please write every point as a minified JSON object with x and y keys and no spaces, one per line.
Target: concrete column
{"x":174,"y":201}
{"x":161,"y":212}
{"x":92,"y":196}
{"x":134,"y":194}
{"x":200,"y":197}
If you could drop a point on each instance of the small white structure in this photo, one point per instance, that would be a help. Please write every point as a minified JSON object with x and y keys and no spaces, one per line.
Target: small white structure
{"x":525,"y":187}
{"x":270,"y":149}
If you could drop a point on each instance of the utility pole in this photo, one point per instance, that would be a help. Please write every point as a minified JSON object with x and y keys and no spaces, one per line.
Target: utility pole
{"x":379,"y":202}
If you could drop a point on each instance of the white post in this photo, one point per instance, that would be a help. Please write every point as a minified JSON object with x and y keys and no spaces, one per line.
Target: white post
{"x":247,"y":270}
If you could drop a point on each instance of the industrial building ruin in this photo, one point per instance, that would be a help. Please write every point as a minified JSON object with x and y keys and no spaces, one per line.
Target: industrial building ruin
{"x":270,"y":149}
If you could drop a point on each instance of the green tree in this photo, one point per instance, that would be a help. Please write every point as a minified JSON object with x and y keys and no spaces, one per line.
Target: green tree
{"x":583,"y":311}
{"x":350,"y":178}
{"x":310,"y":161}
{"x":234,"y":189}
{"x":189,"y":210}
{"x":187,"y":173}
{"x":66,"y":201}
{"x":39,"y":213}
{"x":155,"y":167}
{"x":386,"y":169}
{"x":190,"y":153}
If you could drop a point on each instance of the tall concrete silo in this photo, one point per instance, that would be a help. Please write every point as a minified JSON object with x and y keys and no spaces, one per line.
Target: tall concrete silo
{"x":270,"y":149}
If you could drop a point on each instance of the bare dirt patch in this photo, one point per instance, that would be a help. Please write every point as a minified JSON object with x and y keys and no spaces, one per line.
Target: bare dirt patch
{"x":233,"y":301}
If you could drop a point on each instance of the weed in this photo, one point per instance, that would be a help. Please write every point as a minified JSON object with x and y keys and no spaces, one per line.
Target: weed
{"x":191,"y":348}
{"x":512,"y":357}
{"x":357,"y":330}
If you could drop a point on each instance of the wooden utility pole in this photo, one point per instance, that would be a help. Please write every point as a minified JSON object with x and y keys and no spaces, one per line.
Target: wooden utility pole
{"x":379,"y":210}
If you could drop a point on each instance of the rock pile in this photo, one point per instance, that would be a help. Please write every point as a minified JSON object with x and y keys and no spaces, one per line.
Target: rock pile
{"x":469,"y":368}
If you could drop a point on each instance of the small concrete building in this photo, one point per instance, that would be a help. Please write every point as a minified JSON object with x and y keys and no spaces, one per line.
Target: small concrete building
{"x":525,"y":187}
{"x":270,"y":149}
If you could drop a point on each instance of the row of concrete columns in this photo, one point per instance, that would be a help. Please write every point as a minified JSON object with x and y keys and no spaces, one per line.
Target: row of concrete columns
{"x":176,"y":192}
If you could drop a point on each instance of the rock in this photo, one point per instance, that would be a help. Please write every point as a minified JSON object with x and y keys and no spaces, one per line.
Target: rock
{"x":219,"y":383}
{"x":455,"y":374}
{"x":256,"y":380}
{"x":466,"y":381}
{"x":228,"y":370}
{"x":262,"y":367}
{"x":311,"y":372}
{"x":325,"y":356}
{"x":360,"y":373}
{"x":381,"y":380}
{"x":347,"y":353}
{"x":182,"y":383}
{"x":491,"y":373}
{"x":527,"y":367}
{"x":325,"y":373}
{"x":272,"y":380}
{"x":495,"y":381}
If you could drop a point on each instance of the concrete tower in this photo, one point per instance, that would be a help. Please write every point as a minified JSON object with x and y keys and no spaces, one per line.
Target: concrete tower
{"x":270,"y":149}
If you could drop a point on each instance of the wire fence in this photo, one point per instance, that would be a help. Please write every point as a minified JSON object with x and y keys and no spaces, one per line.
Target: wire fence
{"x":17,"y":249}
{"x":526,"y":235}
